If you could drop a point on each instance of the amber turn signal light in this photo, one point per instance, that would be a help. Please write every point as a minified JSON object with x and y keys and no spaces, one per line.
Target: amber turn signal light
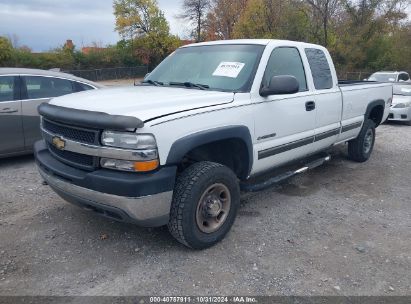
{"x":146,"y":166}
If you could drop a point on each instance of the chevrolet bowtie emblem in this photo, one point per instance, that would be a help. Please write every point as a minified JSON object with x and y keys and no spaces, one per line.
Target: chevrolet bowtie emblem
{"x":59,"y":143}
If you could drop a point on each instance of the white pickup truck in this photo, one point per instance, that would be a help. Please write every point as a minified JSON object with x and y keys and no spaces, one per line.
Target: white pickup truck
{"x":211,"y":119}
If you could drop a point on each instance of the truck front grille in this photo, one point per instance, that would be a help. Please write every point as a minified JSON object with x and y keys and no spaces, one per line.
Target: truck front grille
{"x":73,"y":133}
{"x":80,"y":161}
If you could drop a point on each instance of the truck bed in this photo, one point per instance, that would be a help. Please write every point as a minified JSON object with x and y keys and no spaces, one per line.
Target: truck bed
{"x":357,"y":95}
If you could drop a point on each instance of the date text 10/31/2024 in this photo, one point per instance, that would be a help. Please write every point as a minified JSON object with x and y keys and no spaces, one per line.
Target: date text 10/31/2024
{"x":221,"y":299}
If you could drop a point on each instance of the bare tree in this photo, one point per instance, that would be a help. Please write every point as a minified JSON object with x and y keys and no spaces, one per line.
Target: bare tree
{"x":393,"y":11}
{"x":195,"y":11}
{"x":322,"y":12}
{"x":14,"y":39}
{"x":223,"y":17}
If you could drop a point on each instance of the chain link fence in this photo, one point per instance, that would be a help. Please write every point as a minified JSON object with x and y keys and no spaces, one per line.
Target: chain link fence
{"x":111,"y":73}
{"x":354,"y":75}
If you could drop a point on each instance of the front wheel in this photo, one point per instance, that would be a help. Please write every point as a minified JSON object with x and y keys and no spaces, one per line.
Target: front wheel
{"x":205,"y":202}
{"x":360,"y":149}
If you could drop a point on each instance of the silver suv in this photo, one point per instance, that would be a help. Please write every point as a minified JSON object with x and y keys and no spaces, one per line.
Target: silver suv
{"x":21,"y":92}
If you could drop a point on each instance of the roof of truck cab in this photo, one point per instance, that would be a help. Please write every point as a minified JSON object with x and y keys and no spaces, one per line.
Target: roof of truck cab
{"x":49,"y":73}
{"x":255,"y":42}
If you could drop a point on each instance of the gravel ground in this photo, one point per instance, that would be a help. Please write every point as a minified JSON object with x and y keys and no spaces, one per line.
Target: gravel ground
{"x":342,"y":229}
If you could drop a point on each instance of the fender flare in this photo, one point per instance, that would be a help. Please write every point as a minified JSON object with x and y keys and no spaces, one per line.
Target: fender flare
{"x":183,"y":145}
{"x":372,"y":105}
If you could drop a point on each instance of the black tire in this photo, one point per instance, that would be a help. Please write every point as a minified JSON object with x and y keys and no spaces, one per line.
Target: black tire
{"x":360,"y":149}
{"x":191,"y":186}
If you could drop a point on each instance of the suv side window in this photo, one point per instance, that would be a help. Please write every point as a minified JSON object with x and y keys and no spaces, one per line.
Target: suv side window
{"x":79,"y":87}
{"x":46,"y":87}
{"x":320,"y":69}
{"x":285,"y":61}
{"x":7,"y":88}
{"x":404,"y":77}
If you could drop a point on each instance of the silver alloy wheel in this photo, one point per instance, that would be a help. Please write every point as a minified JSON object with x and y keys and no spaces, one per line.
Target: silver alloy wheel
{"x":368,"y":141}
{"x":213,"y":208}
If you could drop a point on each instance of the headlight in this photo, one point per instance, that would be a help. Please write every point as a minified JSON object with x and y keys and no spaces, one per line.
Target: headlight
{"x":403,"y":105}
{"x":399,"y":106}
{"x":128,"y":140}
{"x":144,"y":144}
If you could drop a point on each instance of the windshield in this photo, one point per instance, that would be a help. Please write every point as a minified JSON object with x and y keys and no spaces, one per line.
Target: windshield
{"x":404,"y":90}
{"x":383,"y":77}
{"x":214,"y":67}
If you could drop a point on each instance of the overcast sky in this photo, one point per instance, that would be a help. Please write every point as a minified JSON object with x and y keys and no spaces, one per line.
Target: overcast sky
{"x":46,"y":24}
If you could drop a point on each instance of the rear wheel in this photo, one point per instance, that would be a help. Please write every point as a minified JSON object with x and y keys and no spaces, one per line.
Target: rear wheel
{"x":360,"y":149}
{"x":205,"y":202}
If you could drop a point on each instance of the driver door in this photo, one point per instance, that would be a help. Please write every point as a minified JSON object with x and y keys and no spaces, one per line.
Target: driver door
{"x":284,"y":124}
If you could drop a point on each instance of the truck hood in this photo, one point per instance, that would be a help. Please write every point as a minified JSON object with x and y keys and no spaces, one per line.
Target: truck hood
{"x":143,"y":102}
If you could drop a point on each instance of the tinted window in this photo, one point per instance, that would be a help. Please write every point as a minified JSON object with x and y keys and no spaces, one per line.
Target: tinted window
{"x":382,"y":77}
{"x":6,"y":88}
{"x":285,"y":61}
{"x":82,"y":87}
{"x":46,"y":87}
{"x":404,"y":77}
{"x":320,"y":69}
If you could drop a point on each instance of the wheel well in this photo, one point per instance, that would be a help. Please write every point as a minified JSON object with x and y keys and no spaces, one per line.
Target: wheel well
{"x":232,"y":153}
{"x":376,"y":114}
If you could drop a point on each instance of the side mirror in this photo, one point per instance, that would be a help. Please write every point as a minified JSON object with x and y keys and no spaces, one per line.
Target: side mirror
{"x":281,"y":85}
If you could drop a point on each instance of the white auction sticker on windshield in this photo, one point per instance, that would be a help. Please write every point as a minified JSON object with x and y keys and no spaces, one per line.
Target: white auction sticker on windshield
{"x":229,"y":69}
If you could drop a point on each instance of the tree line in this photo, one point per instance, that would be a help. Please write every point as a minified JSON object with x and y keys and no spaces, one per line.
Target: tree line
{"x":362,"y":35}
{"x":68,"y":57}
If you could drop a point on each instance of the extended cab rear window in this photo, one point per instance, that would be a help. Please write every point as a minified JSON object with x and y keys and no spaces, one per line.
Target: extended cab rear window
{"x":320,"y":69}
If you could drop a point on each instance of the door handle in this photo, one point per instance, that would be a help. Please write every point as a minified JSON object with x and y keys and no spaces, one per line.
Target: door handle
{"x":310,"y":106}
{"x":8,"y":111}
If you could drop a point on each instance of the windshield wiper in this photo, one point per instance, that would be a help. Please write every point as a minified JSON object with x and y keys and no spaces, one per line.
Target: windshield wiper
{"x":190,"y":85}
{"x":153,"y":82}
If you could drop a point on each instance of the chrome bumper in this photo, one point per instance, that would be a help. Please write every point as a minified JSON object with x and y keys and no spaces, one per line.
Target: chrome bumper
{"x":147,"y":211}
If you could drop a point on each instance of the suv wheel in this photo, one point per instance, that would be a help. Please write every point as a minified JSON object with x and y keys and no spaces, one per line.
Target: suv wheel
{"x":205,"y":202}
{"x":360,"y":149}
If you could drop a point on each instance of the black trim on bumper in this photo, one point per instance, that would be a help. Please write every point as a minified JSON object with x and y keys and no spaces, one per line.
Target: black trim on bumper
{"x":107,"y":181}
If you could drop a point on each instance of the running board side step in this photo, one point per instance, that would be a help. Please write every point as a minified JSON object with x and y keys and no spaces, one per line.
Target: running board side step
{"x":247,"y":187}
